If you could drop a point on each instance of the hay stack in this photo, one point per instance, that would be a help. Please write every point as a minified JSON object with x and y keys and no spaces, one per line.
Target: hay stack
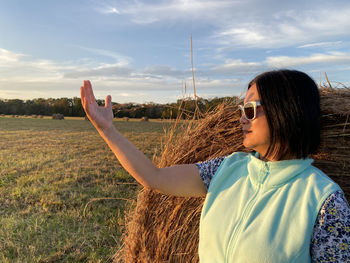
{"x":57,"y":116}
{"x":165,"y":228}
{"x":333,"y":156}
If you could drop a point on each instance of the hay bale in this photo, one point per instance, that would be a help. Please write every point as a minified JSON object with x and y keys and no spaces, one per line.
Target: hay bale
{"x":57,"y":116}
{"x":165,"y":228}
{"x":333,"y":156}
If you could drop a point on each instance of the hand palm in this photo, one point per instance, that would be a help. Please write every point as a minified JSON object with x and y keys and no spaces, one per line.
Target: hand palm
{"x":101,"y":117}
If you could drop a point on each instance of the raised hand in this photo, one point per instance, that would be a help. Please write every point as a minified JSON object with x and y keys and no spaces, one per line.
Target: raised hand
{"x":181,"y":180}
{"x":101,"y":117}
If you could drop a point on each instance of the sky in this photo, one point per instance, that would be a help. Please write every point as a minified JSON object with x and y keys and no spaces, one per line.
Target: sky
{"x":140,"y":51}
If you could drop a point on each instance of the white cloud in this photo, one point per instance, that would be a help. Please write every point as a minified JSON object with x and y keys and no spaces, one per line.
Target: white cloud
{"x":322,"y":44}
{"x":112,"y":10}
{"x":15,"y":68}
{"x":249,"y":34}
{"x":120,"y":60}
{"x":23,"y":68}
{"x":110,"y":70}
{"x":235,"y":66}
{"x":318,"y":61}
{"x":286,"y":28}
{"x":143,"y":12}
{"x":287,"y":61}
{"x":7,"y":56}
{"x":244,"y":24}
{"x":164,"y":70}
{"x":22,"y":76}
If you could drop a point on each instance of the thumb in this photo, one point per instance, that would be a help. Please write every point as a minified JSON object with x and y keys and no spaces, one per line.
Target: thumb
{"x":108,"y":101}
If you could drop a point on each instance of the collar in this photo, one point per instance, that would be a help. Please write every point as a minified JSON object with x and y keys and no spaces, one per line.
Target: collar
{"x":274,"y":174}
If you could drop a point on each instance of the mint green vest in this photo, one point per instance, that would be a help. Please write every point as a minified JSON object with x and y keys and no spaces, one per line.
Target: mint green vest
{"x":261,"y":212}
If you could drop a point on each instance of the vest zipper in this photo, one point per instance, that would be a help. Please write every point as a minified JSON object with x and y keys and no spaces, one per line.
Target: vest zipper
{"x":247,"y":210}
{"x":235,"y":233}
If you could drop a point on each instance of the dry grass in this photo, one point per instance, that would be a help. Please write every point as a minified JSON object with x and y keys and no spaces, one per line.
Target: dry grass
{"x":62,"y":191}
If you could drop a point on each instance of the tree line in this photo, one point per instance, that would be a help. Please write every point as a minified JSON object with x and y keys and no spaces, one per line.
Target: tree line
{"x":73,"y":107}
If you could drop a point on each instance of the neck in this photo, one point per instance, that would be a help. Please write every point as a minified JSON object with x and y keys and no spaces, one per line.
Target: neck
{"x":273,"y":157}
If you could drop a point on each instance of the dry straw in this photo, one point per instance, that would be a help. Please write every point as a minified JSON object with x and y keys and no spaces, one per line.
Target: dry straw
{"x":165,"y":228}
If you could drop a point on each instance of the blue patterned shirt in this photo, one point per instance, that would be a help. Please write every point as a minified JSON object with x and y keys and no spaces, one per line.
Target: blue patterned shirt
{"x":330,"y":240}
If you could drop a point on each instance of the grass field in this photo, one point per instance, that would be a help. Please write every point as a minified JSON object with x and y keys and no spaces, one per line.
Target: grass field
{"x":51,"y":172}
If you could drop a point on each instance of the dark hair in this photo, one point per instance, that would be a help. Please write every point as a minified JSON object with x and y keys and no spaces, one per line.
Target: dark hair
{"x":291,"y":103}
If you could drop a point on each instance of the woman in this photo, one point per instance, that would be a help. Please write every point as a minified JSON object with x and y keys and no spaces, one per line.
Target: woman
{"x":268,"y":206}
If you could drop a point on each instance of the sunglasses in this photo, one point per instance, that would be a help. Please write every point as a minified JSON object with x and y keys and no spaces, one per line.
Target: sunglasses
{"x":249,"y":109}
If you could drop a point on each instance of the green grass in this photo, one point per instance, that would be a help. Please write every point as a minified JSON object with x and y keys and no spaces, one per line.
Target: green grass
{"x":53,"y":171}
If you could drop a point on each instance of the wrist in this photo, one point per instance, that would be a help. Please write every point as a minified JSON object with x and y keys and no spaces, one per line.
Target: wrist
{"x":107,"y":131}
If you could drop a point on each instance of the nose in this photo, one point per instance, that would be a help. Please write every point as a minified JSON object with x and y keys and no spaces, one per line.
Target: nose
{"x":243,"y":119}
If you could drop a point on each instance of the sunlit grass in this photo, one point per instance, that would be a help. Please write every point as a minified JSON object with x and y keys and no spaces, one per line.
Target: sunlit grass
{"x":49,"y":171}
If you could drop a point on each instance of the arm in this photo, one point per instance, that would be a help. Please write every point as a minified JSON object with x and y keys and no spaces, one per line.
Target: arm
{"x":331,"y":234}
{"x":180,"y":180}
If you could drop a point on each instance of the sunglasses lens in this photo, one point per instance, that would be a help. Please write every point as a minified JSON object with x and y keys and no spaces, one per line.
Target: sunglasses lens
{"x":249,"y":111}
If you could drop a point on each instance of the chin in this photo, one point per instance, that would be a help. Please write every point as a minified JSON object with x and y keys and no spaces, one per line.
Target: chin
{"x":247,"y":145}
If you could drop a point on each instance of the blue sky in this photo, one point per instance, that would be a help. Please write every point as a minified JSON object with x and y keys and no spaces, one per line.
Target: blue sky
{"x":139,"y":51}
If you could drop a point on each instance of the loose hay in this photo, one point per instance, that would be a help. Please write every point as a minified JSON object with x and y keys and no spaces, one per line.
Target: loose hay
{"x":165,"y":228}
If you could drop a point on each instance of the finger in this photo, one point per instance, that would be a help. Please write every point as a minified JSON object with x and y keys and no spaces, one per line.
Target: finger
{"x":87,"y":91}
{"x":90,"y":97}
{"x":108,"y":102}
{"x":82,"y":96}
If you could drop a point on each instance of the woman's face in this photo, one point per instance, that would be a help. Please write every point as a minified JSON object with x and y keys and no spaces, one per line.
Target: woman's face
{"x":256,"y":133}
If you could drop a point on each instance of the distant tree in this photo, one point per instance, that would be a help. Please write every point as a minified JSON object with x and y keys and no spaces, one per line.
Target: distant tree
{"x":15,"y":106}
{"x":77,"y":107}
{"x":73,"y":107}
{"x":2,"y":107}
{"x":38,"y":106}
{"x":63,"y":106}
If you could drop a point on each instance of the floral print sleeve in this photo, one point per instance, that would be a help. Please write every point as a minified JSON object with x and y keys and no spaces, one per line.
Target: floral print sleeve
{"x":208,"y":168}
{"x":331,"y":235}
